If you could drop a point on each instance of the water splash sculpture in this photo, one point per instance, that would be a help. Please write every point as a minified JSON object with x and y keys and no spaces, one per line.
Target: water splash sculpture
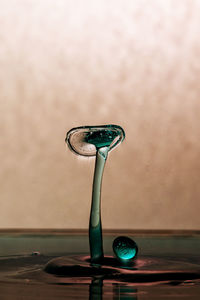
{"x":98,"y":141}
{"x":95,"y":141}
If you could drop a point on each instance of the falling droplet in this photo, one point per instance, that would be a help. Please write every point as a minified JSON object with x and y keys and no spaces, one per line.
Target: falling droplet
{"x":125,"y":249}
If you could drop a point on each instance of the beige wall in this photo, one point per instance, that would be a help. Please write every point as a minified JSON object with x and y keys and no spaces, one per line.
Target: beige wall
{"x":69,"y":63}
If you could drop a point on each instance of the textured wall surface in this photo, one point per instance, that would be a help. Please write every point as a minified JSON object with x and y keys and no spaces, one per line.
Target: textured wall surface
{"x":68,"y":63}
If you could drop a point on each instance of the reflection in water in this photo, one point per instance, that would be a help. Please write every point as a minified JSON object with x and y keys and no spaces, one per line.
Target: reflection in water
{"x":124,"y":292}
{"x":119,"y":291}
{"x":46,"y":276}
{"x":151,"y":270}
{"x":96,"y":287}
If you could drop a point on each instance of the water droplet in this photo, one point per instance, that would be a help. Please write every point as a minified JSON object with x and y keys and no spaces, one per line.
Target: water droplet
{"x":125,"y":248}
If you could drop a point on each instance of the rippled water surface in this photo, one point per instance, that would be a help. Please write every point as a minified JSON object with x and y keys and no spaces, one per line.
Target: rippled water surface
{"x":57,"y":266}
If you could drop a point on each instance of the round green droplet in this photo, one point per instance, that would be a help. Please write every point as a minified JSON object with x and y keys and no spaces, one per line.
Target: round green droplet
{"x":125,"y":249}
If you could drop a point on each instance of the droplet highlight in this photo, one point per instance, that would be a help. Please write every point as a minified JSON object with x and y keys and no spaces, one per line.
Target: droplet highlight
{"x":125,"y":249}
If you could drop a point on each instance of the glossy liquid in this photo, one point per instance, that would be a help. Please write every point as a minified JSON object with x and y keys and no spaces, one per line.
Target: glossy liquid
{"x":122,"y":269}
{"x":98,"y":141}
{"x":95,"y":228}
{"x":169,"y":269}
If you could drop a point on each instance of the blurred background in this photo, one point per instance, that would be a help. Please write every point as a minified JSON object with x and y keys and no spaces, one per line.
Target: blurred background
{"x":72,"y":63}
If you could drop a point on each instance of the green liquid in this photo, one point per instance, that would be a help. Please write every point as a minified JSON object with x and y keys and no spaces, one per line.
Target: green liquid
{"x":102,"y":138}
{"x":95,"y":141}
{"x":95,"y":228}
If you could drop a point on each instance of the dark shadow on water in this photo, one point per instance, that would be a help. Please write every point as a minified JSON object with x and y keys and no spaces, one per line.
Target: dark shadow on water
{"x":144,"y":270}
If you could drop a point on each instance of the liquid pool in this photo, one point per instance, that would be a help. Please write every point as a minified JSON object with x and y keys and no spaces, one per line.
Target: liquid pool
{"x":167,"y":266}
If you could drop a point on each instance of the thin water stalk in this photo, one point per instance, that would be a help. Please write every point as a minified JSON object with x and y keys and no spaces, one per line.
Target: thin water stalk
{"x":95,"y":228}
